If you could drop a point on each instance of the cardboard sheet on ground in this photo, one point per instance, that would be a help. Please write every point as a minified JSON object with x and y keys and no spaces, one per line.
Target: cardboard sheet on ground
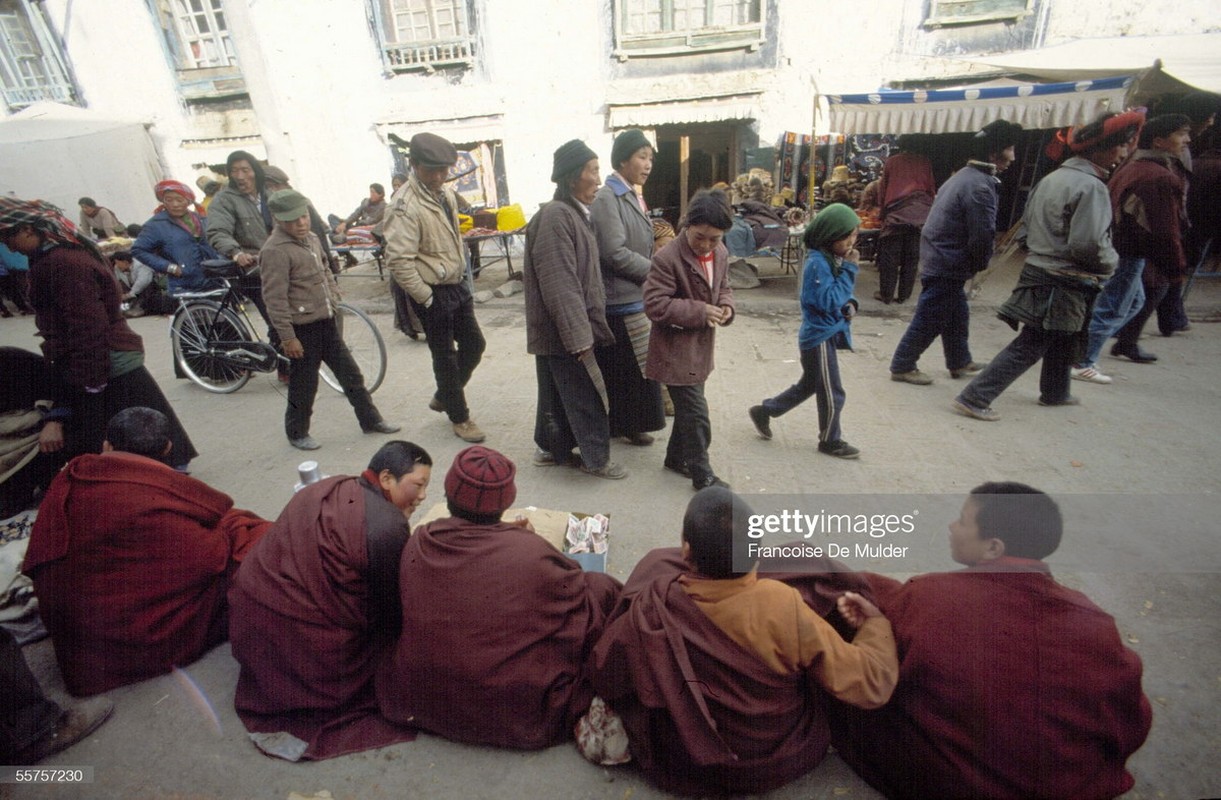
{"x":548,"y":523}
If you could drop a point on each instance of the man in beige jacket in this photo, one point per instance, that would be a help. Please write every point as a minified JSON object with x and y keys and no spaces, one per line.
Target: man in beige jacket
{"x":302,"y":298}
{"x":425,"y":255}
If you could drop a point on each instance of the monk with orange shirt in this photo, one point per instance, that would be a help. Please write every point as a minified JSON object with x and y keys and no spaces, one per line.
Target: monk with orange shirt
{"x":720,"y":680}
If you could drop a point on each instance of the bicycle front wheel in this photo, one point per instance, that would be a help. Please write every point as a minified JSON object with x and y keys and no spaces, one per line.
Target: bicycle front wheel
{"x":194,"y":332}
{"x":366,"y":345}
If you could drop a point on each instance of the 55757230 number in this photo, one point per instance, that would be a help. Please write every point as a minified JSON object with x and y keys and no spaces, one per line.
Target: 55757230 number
{"x":46,"y":774}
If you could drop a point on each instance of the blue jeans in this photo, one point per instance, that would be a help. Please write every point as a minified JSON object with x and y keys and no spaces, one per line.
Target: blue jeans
{"x":1054,"y":347}
{"x":1121,"y":297}
{"x":941,"y":311}
{"x":819,"y":376}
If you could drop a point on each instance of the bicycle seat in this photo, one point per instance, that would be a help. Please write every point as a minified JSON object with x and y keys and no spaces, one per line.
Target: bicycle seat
{"x":221,"y":268}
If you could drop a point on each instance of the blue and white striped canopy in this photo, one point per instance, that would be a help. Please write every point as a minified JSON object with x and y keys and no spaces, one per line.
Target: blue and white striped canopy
{"x":1031,"y":105}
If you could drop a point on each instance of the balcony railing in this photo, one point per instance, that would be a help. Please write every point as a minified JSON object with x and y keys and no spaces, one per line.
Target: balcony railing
{"x":426,"y":55}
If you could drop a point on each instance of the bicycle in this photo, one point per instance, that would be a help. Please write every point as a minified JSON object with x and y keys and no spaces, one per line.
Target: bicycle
{"x":215,"y":345}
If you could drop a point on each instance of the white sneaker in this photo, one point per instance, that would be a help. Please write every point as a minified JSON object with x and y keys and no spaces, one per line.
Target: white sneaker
{"x":1090,"y":374}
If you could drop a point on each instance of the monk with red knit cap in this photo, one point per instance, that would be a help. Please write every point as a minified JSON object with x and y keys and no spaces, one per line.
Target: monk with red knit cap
{"x":497,"y":623}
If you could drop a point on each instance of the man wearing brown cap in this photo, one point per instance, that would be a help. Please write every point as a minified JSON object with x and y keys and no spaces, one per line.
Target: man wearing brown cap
{"x":302,"y":298}
{"x":497,"y":623}
{"x":425,"y":255}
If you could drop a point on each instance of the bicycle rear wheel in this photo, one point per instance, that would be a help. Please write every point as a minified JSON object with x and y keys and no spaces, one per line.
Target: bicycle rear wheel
{"x":194,"y":331}
{"x":366,"y":345}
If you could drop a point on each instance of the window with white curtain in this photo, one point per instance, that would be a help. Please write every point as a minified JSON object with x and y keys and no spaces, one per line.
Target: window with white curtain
{"x":663,"y":27}
{"x":32,"y":68}
{"x":423,"y":34}
{"x":202,"y":33}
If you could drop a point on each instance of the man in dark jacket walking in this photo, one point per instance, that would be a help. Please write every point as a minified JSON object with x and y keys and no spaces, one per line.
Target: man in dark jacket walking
{"x":955,"y":243}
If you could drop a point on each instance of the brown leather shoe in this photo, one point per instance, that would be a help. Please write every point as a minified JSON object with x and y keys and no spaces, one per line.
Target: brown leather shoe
{"x":468,"y":431}
{"x":74,"y":724}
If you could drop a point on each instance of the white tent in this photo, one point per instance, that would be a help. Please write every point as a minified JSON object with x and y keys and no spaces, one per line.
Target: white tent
{"x":61,"y":153}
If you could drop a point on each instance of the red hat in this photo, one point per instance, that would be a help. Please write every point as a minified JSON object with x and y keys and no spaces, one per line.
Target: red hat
{"x":481,"y":481}
{"x":1106,"y":131}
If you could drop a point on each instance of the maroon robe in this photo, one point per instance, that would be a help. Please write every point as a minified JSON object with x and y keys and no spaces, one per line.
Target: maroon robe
{"x":131,"y":562}
{"x":704,"y":715}
{"x":315,"y":608}
{"x":1010,"y":686}
{"x":497,"y":626}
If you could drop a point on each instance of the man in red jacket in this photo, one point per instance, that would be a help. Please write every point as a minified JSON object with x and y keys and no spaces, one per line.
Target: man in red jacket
{"x":1010,"y":685}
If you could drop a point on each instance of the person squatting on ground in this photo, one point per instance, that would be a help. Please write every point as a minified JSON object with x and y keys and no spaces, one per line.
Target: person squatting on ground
{"x":687,"y":296}
{"x":138,"y":287}
{"x":1068,"y":236}
{"x":1010,"y":684}
{"x":316,"y":609}
{"x":424,"y":253}
{"x":498,"y":624}
{"x":131,"y":560}
{"x":721,"y":678}
{"x":827,"y":309}
{"x":302,"y":298}
{"x":956,"y":243}
{"x":96,"y":358}
{"x":566,"y":319}
{"x":1148,"y":199}
{"x":625,"y":247}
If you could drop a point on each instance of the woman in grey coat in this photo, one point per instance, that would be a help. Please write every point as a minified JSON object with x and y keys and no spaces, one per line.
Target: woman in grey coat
{"x":625,"y":250}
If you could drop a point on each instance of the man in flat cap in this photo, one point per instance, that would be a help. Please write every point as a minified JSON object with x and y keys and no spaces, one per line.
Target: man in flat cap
{"x":302,"y":298}
{"x":956,"y":243}
{"x":425,"y":255}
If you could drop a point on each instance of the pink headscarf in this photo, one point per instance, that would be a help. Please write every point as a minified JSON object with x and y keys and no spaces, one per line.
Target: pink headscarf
{"x":174,"y":186}
{"x":178,"y":187}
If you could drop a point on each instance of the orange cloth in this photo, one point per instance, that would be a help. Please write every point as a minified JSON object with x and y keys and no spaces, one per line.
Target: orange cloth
{"x":770,"y":619}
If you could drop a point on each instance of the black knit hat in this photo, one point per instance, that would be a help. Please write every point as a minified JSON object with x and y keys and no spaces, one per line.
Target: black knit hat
{"x":626,"y":144}
{"x":480,"y":481}
{"x":571,"y":156}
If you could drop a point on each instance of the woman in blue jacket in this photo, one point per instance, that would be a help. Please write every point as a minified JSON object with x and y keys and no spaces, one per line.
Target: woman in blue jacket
{"x":827,"y":307}
{"x":173,"y":242}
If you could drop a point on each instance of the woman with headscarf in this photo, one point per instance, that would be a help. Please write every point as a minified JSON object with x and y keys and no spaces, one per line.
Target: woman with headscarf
{"x":827,"y":308}
{"x":625,"y":251}
{"x":96,"y":358}
{"x":566,"y":319}
{"x":174,"y":241}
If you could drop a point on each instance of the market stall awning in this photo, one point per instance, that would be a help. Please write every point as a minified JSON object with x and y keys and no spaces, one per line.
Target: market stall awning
{"x":1031,"y":105}
{"x":703,"y":109}
{"x":1194,"y":60}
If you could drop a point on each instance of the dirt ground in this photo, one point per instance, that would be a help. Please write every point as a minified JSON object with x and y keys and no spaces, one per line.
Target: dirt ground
{"x":1148,"y":443}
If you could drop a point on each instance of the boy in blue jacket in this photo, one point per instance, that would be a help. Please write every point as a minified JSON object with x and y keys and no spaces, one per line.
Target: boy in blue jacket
{"x":827,"y":306}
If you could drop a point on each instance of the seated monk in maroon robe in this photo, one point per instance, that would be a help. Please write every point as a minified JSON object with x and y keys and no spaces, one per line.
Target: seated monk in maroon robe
{"x":1010,"y":685}
{"x":131,"y":560}
{"x":316,"y":610}
{"x":497,"y":623}
{"x":720,"y":680}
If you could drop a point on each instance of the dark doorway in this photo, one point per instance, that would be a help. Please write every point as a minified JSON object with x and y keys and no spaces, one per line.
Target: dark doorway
{"x":695,"y":156}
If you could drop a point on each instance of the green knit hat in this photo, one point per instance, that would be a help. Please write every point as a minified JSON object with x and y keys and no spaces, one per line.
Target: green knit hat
{"x":830,"y":225}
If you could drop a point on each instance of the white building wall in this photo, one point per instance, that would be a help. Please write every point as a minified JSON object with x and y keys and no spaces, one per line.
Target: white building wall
{"x":324,"y":103}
